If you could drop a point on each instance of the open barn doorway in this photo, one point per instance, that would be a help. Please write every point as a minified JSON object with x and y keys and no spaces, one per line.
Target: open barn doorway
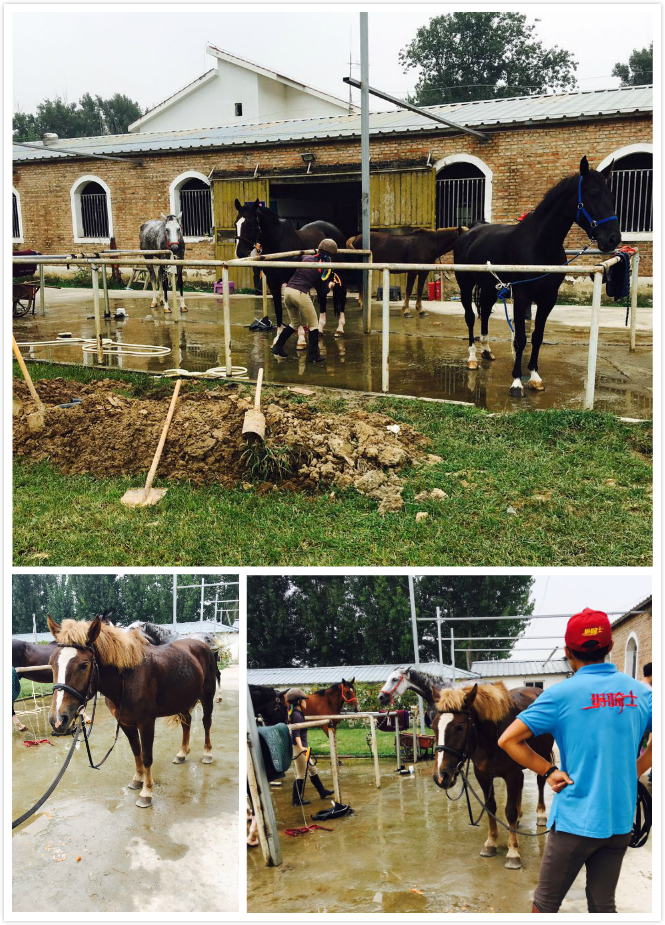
{"x":302,"y":202}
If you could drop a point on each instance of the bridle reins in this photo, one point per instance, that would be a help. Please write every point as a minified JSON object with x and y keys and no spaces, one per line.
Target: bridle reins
{"x":83,"y":699}
{"x":593,"y":224}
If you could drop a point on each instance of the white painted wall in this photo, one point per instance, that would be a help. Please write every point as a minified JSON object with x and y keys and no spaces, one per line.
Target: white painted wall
{"x":547,"y":679}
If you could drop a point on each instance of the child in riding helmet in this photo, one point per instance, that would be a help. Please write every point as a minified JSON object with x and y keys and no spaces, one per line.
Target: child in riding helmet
{"x":299,"y":304}
{"x":295,"y":698}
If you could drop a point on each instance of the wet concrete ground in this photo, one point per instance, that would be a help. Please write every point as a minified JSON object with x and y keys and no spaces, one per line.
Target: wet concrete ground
{"x":409,"y":837}
{"x":180,"y":855}
{"x":427,"y":359}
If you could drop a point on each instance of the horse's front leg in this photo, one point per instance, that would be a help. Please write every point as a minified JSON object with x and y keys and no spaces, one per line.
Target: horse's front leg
{"x":154,"y":282}
{"x":485,"y":313}
{"x":542,"y":314}
{"x":186,"y":731}
{"x":339,"y":301}
{"x":207,"y":704}
{"x":410,"y":280}
{"x":322,"y":297}
{"x":514,"y":785}
{"x":422,"y":279}
{"x":519,"y":343}
{"x":275,"y":286}
{"x":165,"y":284}
{"x":470,"y":318}
{"x":132,"y":734}
{"x":541,"y":810}
{"x":489,"y":848}
{"x":147,"y":734}
{"x":302,"y":338}
{"x":181,"y":290}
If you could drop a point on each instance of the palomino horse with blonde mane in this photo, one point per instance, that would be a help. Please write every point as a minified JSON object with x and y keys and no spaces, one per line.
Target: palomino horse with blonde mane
{"x":467,"y":727}
{"x":329,"y":702}
{"x":140,"y":683}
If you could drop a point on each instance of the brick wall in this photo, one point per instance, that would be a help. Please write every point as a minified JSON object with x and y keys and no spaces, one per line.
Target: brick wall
{"x":640,"y":625}
{"x":525,"y":163}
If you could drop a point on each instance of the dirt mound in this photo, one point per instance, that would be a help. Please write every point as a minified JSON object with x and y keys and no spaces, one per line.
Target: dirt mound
{"x":109,"y":433}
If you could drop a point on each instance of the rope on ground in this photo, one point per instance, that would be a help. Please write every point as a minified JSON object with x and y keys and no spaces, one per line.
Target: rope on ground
{"x":215,"y":372}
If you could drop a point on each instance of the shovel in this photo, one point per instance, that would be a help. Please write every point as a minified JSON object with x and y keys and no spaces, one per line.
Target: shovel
{"x":254,"y":425}
{"x":141,"y":497}
{"x":36,"y":419}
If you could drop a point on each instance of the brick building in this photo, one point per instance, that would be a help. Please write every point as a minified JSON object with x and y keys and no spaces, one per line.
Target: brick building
{"x":423,"y":174}
{"x":632,"y":640}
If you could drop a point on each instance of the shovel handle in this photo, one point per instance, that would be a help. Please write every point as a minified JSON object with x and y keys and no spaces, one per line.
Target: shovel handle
{"x":162,"y":440}
{"x":26,"y":375}
{"x":257,"y":397}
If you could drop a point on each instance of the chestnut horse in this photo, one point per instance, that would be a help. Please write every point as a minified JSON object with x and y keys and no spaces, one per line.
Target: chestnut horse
{"x":422,"y":246}
{"x":140,"y":682}
{"x":329,"y":702}
{"x":468,"y":724}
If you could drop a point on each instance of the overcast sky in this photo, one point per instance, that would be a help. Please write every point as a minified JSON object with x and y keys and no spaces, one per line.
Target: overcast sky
{"x":567,"y":593}
{"x":148,"y":55}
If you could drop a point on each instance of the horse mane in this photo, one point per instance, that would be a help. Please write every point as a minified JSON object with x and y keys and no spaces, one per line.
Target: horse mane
{"x":115,"y":646}
{"x":325,"y":690}
{"x":427,"y":679}
{"x":555,"y":192}
{"x":492,"y":703}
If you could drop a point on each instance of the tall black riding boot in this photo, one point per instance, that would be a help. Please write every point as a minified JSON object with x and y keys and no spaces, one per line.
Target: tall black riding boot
{"x":321,"y":790}
{"x":313,"y":354}
{"x":278,"y":348}
{"x":297,"y":798}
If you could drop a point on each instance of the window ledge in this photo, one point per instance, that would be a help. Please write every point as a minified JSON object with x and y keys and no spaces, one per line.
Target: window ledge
{"x":78,"y":240}
{"x":637,"y":236}
{"x":207,"y":237}
{"x":18,"y":241}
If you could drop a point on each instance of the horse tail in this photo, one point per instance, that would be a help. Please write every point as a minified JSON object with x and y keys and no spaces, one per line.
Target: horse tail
{"x":350,"y":243}
{"x":475,"y":297}
{"x":172,"y":722}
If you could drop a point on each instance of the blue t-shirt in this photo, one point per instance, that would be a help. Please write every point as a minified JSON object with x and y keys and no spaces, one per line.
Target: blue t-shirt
{"x":598,"y":718}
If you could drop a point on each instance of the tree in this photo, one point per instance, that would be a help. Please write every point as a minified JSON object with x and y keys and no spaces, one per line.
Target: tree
{"x":352,"y":620}
{"x":92,"y":115}
{"x":639,"y":69}
{"x":475,"y":56}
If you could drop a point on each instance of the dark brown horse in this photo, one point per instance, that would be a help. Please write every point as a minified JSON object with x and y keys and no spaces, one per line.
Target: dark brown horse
{"x":468,"y":725}
{"x":143,"y":681}
{"x":27,"y":655}
{"x":418,"y":247}
{"x":329,"y":702}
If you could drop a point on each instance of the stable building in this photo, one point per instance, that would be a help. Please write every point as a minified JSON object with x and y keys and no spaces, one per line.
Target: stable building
{"x":528,"y":673}
{"x":632,"y":640}
{"x":76,"y":194}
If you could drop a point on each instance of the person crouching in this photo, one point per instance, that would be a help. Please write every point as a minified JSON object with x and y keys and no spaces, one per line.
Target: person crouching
{"x":295,"y":699}
{"x":299,"y":303}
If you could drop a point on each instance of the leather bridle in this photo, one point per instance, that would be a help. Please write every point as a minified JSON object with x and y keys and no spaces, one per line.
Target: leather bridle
{"x":464,"y":755}
{"x":397,"y":684}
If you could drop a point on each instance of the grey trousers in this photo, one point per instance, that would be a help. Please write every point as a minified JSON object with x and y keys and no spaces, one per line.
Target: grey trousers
{"x":564,"y":856}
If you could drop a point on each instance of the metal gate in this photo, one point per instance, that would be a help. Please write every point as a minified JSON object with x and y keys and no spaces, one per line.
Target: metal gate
{"x":196,"y":212}
{"x":460,"y":201}
{"x":94,"y":215}
{"x":225,"y":193}
{"x":633,"y":195}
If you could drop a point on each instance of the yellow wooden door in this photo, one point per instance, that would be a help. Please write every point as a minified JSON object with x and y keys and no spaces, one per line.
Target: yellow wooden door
{"x":225,"y":193}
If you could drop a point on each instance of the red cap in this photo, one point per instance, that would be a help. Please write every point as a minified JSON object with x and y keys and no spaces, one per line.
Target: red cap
{"x":588,"y":630}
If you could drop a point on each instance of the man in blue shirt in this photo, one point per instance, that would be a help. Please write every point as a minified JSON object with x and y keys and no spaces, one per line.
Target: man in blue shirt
{"x":598,"y":718}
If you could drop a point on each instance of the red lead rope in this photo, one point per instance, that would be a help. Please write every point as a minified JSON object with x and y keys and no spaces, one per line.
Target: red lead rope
{"x":305,"y":829}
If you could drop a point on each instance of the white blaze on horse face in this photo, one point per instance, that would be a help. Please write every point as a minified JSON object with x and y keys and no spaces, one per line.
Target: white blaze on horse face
{"x":444,"y":719}
{"x":238,"y":227}
{"x":65,"y":657}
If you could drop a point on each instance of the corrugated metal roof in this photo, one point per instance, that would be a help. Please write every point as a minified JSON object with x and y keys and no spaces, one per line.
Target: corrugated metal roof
{"x":509,"y":668}
{"x":368,"y":674}
{"x":582,"y":105}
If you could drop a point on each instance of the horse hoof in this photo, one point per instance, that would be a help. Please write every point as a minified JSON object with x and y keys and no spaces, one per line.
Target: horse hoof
{"x":219,"y":700}
{"x":301,"y":346}
{"x":183,"y":308}
{"x":488,"y":852}
{"x":143,"y":802}
{"x":339,"y":333}
{"x":407,"y":315}
{"x":167,"y":311}
{"x":513,"y":863}
{"x":541,"y":820}
{"x":472,"y":364}
{"x":423,"y":313}
{"x":515,"y":392}
{"x":136,"y":785}
{"x":487,"y":355}
{"x":154,"y":304}
{"x":207,"y":759}
{"x":537,"y":385}
{"x":179,"y":759}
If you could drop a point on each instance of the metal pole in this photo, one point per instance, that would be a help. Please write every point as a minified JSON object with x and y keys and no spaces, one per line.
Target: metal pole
{"x":202,"y":596}
{"x":264,"y":294}
{"x":633,"y":300}
{"x":98,"y":320}
{"x":452,"y":653}
{"x":42,"y":293}
{"x":385,"y":333}
{"x":174,"y":296}
{"x":593,"y":342}
{"x":334,"y":761}
{"x":364,"y":156}
{"x":398,"y":751}
{"x":263,"y":788}
{"x":414,"y":631}
{"x":227,"y":321}
{"x":375,"y":753}
{"x":438,"y":632}
{"x":175,"y":598}
{"x":105,"y":287}
{"x":256,"y":805}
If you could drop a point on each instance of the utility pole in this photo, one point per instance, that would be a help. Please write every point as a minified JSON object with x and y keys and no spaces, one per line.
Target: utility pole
{"x":175,"y":598}
{"x":364,"y":159}
{"x":202,"y":596}
{"x":414,"y":630}
{"x":439,"y":621}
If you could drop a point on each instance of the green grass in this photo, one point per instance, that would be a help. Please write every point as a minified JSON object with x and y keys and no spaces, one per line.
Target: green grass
{"x":580,"y":483}
{"x":352,"y":742}
{"x":26,"y":689}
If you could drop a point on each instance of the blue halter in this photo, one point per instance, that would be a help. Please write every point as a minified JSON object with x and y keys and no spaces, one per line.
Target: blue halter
{"x":591,"y":231}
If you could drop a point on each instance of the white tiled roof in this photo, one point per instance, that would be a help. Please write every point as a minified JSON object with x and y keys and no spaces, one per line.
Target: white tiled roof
{"x":509,"y":668}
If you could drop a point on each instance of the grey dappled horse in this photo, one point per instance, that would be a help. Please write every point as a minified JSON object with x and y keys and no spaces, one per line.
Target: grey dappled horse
{"x":164,"y":234}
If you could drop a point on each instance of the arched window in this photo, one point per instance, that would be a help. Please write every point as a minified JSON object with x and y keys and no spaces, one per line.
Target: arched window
{"x":632,"y":185}
{"x":91,"y":210}
{"x":463,"y":191}
{"x":631,"y":656}
{"x":190,"y":194}
{"x":17,"y":219}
